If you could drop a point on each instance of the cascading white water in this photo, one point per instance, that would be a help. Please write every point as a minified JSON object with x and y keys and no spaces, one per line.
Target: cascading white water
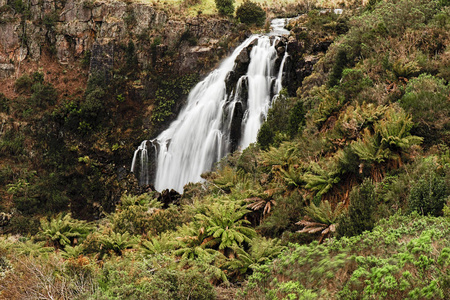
{"x":200,"y":136}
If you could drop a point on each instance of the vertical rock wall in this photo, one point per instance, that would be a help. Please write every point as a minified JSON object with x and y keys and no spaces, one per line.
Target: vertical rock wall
{"x":68,"y":29}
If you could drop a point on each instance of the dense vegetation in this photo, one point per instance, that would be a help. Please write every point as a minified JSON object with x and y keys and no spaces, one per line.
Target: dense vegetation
{"x":346,"y":199}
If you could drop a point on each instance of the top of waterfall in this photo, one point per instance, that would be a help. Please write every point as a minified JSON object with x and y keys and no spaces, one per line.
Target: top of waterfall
{"x":278,"y":27}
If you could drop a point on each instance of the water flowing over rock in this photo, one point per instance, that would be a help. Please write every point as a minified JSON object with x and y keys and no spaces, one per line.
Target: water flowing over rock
{"x":223,"y":112}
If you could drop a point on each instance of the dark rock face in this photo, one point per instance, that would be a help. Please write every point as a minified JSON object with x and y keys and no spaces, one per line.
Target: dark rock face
{"x":169,"y":197}
{"x":236,"y":123}
{"x":102,"y":59}
{"x":322,"y":46}
{"x":75,"y":27}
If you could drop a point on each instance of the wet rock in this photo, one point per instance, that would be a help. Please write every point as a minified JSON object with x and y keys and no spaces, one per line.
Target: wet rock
{"x":169,"y":197}
{"x":236,"y":125}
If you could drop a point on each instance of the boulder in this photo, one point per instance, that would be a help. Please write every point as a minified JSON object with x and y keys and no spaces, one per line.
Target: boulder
{"x":6,"y":70}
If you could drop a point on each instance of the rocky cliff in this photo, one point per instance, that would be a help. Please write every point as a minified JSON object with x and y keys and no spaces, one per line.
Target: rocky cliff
{"x":70,"y":29}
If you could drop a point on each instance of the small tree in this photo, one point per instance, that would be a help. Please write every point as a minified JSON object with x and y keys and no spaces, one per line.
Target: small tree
{"x":251,"y":13}
{"x":360,"y":215}
{"x":225,"y":7}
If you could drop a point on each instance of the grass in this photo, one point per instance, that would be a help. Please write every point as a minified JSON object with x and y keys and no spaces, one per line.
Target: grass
{"x":208,"y":7}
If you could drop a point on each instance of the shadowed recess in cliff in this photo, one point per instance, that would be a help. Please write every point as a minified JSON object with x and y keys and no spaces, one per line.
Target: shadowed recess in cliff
{"x":223,"y":113}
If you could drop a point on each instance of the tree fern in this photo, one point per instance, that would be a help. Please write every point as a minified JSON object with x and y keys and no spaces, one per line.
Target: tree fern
{"x":321,"y":218}
{"x":369,"y":148}
{"x":394,"y":131}
{"x":116,"y":243}
{"x":285,"y":154}
{"x":63,"y":230}
{"x":320,"y":179}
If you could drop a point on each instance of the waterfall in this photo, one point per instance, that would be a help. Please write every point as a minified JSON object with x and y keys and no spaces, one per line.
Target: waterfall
{"x":213,"y":120}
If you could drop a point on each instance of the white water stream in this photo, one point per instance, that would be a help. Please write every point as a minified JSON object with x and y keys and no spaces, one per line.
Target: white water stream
{"x":200,"y":136}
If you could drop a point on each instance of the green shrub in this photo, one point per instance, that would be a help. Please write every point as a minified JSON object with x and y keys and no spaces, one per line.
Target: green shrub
{"x":38,"y":77}
{"x":352,"y":83}
{"x":19,"y":6}
{"x":4,"y":103}
{"x":265,"y":136}
{"x":43,"y":95}
{"x":426,"y":99}
{"x":49,"y":20}
{"x":251,"y":13}
{"x":134,"y":279}
{"x":23,"y":84}
{"x":134,"y":213}
{"x":296,"y":118}
{"x":225,"y":7}
{"x":361,"y":211}
{"x":178,"y":285}
{"x":429,"y":195}
{"x":338,"y":67}
{"x":11,"y":143}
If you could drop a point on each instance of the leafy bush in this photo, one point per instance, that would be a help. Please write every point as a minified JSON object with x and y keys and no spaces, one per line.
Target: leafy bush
{"x":251,"y":13}
{"x":225,"y":7}
{"x":23,"y":84}
{"x":393,"y":261}
{"x":338,"y":67}
{"x":426,"y":98}
{"x":296,"y":118}
{"x":361,"y":211}
{"x":4,"y":103}
{"x":43,"y":95}
{"x":131,"y":279}
{"x":12,"y":143}
{"x":265,"y":136}
{"x":429,"y":195}
{"x":134,"y":213}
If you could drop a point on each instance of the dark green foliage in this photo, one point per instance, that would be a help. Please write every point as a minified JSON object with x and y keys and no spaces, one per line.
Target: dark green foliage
{"x":283,"y":216}
{"x":19,"y":6}
{"x":38,"y":77}
{"x":23,"y":84}
{"x":11,"y":143}
{"x":361,"y":211}
{"x":275,"y":131}
{"x":121,"y":281}
{"x":251,"y":13}
{"x":225,"y":7}
{"x":370,"y":6}
{"x":429,"y":195}
{"x":86,"y":60}
{"x":23,"y":224}
{"x":443,"y":3}
{"x":296,"y":118}
{"x":426,"y":99}
{"x":43,"y":95}
{"x":265,"y":136}
{"x":339,"y":65}
{"x":4,"y":103}
{"x":165,"y":220}
{"x":49,"y":20}
{"x":178,"y":285}
{"x":189,"y":37}
{"x":353,"y":82}
{"x":169,"y":91}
